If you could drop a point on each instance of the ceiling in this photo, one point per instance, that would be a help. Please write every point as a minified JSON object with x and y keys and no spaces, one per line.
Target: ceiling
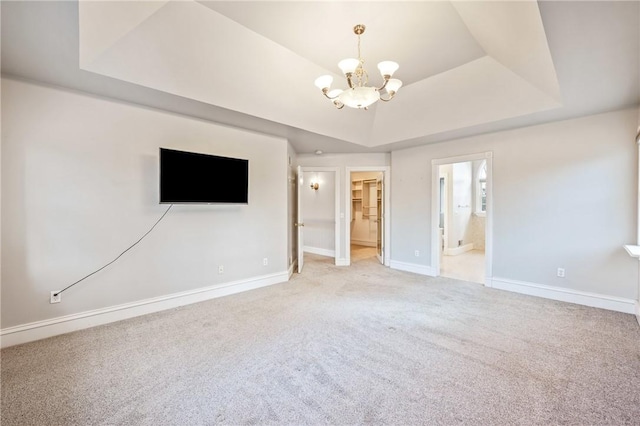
{"x":467,"y":67}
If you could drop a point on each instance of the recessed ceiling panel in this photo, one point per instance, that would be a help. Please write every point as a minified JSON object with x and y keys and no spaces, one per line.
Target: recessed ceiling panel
{"x":512,"y":33}
{"x":102,"y":23}
{"x":479,"y":92}
{"x":425,"y":38}
{"x":192,"y":51}
{"x":261,"y":58}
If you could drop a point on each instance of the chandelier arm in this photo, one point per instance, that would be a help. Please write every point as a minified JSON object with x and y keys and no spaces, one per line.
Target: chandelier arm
{"x":338,"y":105}
{"x":386,"y":80}
{"x":325,"y":92}
{"x":349,"y":81}
{"x":391,"y":95}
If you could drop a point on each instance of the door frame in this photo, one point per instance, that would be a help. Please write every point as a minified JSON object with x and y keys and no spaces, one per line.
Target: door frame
{"x":336,"y":212}
{"x":444,"y":244}
{"x":386,"y":182}
{"x":380,"y":225}
{"x":435,"y":210}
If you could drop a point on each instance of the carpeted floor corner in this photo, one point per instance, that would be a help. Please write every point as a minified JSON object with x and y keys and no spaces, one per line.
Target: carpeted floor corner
{"x":337,"y":345}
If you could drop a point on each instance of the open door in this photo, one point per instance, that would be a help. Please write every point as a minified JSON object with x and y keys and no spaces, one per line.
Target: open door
{"x":380,"y":218}
{"x":299,"y":223}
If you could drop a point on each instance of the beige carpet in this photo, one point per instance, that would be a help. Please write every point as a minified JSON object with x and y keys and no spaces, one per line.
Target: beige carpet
{"x":338,"y":345}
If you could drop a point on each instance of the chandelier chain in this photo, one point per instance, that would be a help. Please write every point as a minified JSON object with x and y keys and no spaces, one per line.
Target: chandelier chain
{"x":361,"y":74}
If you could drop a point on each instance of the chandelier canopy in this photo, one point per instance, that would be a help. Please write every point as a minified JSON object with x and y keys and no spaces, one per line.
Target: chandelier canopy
{"x":359,"y":94}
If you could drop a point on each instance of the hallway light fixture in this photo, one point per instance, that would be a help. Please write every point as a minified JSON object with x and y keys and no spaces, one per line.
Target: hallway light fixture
{"x":359,"y":94}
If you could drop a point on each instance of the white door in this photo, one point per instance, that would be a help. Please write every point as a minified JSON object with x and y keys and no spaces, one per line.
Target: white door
{"x":300,"y":224}
{"x":380,"y":217}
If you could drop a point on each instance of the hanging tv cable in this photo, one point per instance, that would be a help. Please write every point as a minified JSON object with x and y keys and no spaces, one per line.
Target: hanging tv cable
{"x":119,"y":256}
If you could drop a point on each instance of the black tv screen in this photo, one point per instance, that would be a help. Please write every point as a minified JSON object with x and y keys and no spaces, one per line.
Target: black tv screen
{"x":188,"y":177}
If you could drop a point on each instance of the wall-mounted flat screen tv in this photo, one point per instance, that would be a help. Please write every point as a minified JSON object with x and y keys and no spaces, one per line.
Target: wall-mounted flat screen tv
{"x":189,"y":177}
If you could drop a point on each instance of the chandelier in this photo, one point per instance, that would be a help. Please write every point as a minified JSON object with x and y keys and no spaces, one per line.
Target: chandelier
{"x":359,"y":94}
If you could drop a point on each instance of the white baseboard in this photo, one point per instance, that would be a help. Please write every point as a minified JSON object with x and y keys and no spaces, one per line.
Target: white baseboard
{"x":458,"y":250}
{"x":578,"y":297}
{"x":343,"y":262}
{"x":293,"y":267}
{"x":412,"y":267}
{"x":52,"y":327}
{"x":363,"y":243}
{"x":320,"y":251}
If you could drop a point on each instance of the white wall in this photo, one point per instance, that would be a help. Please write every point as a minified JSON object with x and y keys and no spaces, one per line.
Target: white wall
{"x":343,"y":161}
{"x":563,"y":196}
{"x":318,"y":212}
{"x":460,"y":203}
{"x":80,"y":184}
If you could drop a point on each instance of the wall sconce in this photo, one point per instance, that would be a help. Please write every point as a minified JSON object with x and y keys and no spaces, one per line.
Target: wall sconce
{"x":315,"y":186}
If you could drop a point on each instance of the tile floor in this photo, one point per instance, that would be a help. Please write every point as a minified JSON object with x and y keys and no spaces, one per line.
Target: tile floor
{"x":361,"y":252}
{"x":467,"y":266}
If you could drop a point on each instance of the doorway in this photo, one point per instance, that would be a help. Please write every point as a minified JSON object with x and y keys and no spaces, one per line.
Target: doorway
{"x":318,"y":209}
{"x":367,"y":214}
{"x":461,"y":225}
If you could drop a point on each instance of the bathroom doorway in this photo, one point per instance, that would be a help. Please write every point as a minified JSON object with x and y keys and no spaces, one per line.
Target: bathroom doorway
{"x":461,"y":223}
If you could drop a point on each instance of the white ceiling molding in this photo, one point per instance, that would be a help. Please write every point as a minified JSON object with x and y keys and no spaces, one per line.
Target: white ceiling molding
{"x":102,"y":23}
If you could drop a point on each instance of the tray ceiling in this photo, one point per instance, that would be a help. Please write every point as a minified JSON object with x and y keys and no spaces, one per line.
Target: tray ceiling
{"x":463,"y":63}
{"x":468,"y":67}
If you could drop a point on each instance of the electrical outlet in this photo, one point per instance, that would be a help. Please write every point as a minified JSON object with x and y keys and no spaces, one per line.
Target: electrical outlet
{"x":55,"y":298}
{"x":417,"y":253}
{"x":265,"y":261}
{"x":220,"y":269}
{"x":561,"y":272}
